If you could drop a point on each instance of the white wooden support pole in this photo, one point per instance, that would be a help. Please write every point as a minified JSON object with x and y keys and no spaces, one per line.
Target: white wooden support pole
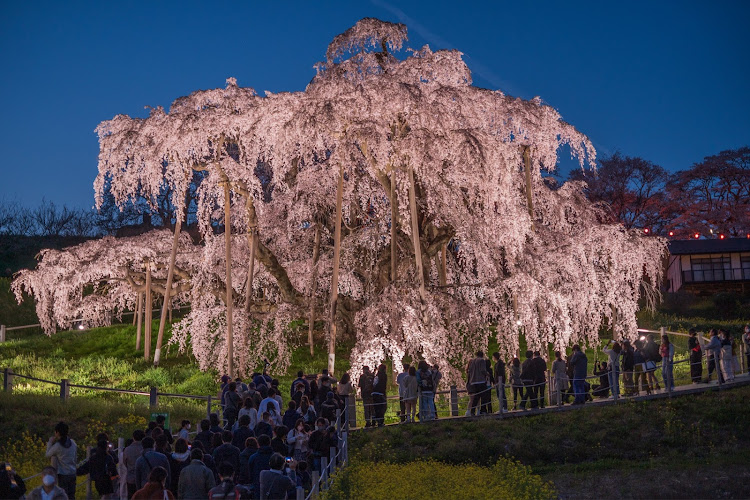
{"x":148,"y":305}
{"x":139,"y":321}
{"x":2,"y":333}
{"x":415,"y":240}
{"x":394,"y":216}
{"x":335,"y":276}
{"x":167,"y":304}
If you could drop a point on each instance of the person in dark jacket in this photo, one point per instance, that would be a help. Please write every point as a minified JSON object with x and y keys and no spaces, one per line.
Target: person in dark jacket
{"x":290,"y":415}
{"x":243,"y":475}
{"x":498,"y":378}
{"x":259,"y":462}
{"x":328,"y":408}
{"x":300,"y":380}
{"x":540,"y":377}
{"x":653,"y":358}
{"x":215,"y":423}
{"x":242,"y":433}
{"x":178,"y":460}
{"x":476,"y":381}
{"x":232,"y":404}
{"x":365,"y":388}
{"x":579,"y":363}
{"x":528,"y":376}
{"x":378,"y":395}
{"x":11,"y":484}
{"x":204,"y":436}
{"x":196,"y":479}
{"x":601,"y":370}
{"x":227,"y":488}
{"x":276,"y":482}
{"x":227,"y":452}
{"x":318,"y":442}
{"x":160,"y":422}
{"x":148,"y":461}
{"x":278,"y":443}
{"x":102,"y":468}
{"x":264,"y":427}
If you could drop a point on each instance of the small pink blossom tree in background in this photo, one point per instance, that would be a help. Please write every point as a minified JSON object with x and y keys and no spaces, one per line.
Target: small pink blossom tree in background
{"x":448,"y":224}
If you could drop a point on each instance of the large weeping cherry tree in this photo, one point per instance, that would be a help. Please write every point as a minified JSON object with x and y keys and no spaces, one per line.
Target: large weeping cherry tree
{"x":392,"y":199}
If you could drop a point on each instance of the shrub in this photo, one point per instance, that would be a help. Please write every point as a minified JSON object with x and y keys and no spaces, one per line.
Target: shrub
{"x":432,"y":479}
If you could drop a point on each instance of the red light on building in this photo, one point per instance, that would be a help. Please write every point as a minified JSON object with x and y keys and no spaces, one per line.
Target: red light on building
{"x":721,"y":236}
{"x":697,"y":235}
{"x":671,"y":233}
{"x":645,"y":230}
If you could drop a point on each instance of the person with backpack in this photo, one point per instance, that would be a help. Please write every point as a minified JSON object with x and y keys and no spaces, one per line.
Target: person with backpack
{"x":329,"y":407}
{"x":259,"y":462}
{"x":227,"y":489}
{"x":155,"y":488}
{"x":232,"y":404}
{"x":101,"y":467}
{"x":380,"y":382}
{"x":426,"y":387}
{"x":278,"y":482}
{"x":148,"y":461}
{"x":365,"y":389}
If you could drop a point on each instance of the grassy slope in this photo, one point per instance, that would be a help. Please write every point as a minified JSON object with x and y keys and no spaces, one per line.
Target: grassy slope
{"x":634,"y":450}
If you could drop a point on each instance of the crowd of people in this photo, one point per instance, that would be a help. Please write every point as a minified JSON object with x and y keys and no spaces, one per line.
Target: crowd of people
{"x":260,"y":451}
{"x":636,"y":363}
{"x":255,"y":451}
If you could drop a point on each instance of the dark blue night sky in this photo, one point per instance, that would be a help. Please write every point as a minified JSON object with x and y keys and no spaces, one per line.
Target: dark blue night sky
{"x":667,"y":81}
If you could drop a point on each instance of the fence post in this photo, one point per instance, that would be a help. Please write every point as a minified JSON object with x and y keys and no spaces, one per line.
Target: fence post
{"x":344,"y":448}
{"x":64,"y":389}
{"x":300,"y":493}
{"x":153,"y":399}
{"x":454,"y":401}
{"x":315,"y":485}
{"x":338,"y":421}
{"x":559,"y":393}
{"x":324,"y":472}
{"x":88,"y":476}
{"x":331,"y":462}
{"x":2,"y":333}
{"x":208,"y":408}
{"x":8,"y":380}
{"x":351,"y":408}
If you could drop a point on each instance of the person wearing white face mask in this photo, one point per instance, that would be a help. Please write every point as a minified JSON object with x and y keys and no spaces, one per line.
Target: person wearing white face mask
{"x":184,"y":430}
{"x":49,"y":489}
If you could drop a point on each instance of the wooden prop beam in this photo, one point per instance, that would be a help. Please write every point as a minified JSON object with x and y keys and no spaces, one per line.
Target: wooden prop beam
{"x":167,"y":304}
{"x":335,"y":277}
{"x":229,"y":294}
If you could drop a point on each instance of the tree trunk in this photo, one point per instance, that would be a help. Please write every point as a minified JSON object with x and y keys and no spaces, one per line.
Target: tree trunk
{"x":230,"y":294}
{"x":167,"y":291}
{"x":148,"y":304}
{"x":335,"y":277}
{"x":417,"y":245}
{"x":394,"y":215}
{"x":313,"y":288}
{"x":252,"y":244}
{"x":139,"y":321}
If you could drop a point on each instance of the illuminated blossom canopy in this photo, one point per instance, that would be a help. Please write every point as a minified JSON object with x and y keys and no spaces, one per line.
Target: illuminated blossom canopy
{"x":558,"y":272}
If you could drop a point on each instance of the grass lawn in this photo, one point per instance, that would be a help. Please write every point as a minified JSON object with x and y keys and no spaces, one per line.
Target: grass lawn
{"x":689,"y":447}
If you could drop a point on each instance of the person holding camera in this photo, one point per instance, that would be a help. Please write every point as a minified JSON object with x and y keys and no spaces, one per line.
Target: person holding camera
{"x":11,"y":484}
{"x":280,"y":481}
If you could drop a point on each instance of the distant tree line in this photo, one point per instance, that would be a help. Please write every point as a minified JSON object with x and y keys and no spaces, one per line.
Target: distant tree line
{"x":711,"y":198}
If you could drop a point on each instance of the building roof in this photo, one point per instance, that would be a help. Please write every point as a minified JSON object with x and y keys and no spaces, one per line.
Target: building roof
{"x":692,"y":247}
